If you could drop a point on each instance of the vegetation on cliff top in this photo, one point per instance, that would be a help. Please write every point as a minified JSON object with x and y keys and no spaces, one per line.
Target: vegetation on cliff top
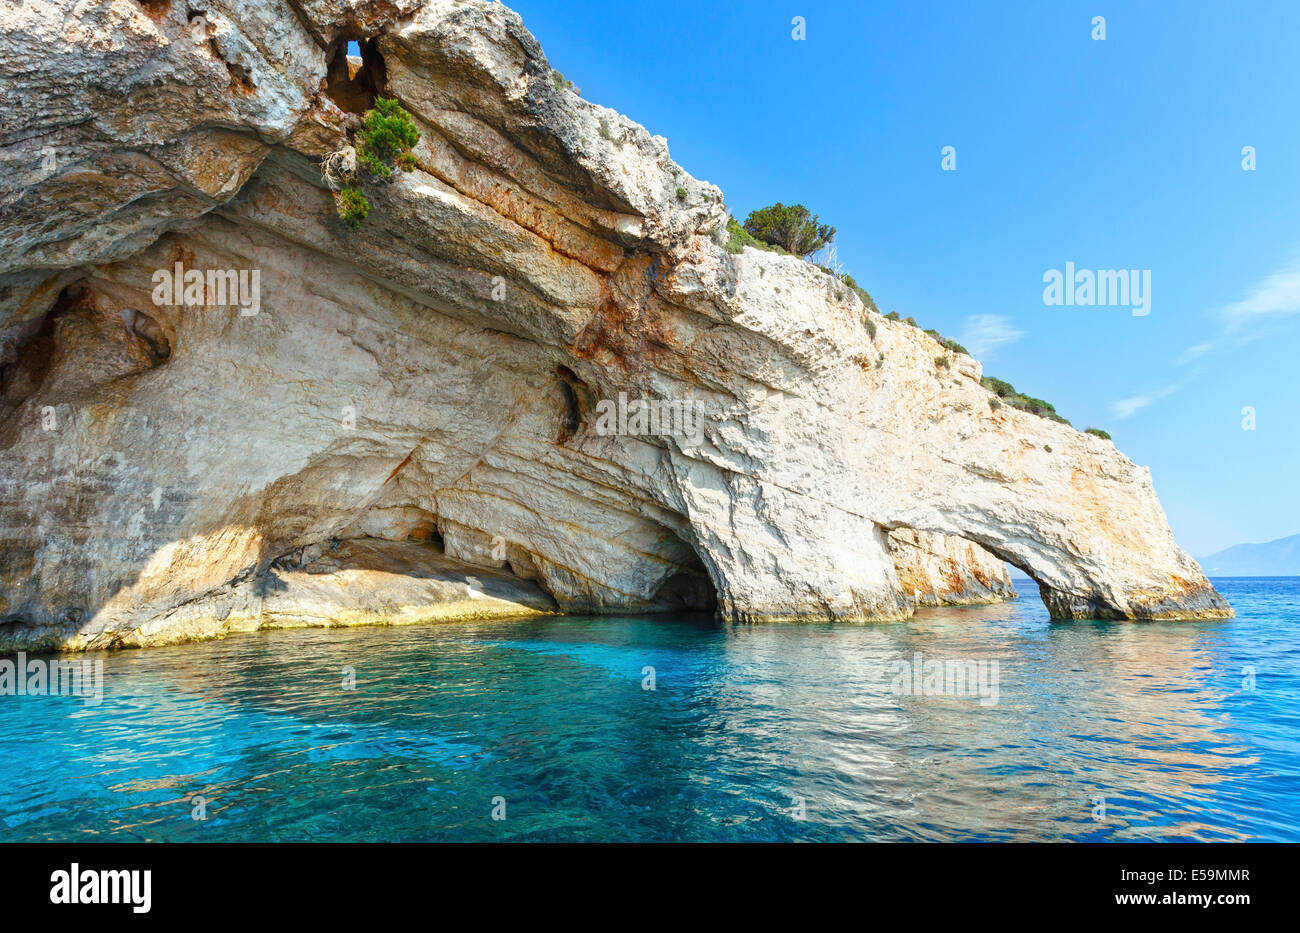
{"x":795,"y":229}
{"x":562,"y":83}
{"x":948,"y":343}
{"x":1009,"y":396}
{"x":738,"y":237}
{"x":852,"y":283}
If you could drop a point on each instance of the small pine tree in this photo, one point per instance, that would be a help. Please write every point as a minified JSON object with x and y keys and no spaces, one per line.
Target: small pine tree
{"x":352,"y":206}
{"x":384,"y":141}
{"x":386,"y":138}
{"x":795,"y":229}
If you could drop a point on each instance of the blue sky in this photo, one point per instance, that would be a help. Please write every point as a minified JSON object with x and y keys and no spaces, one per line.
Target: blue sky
{"x":1117,"y":154}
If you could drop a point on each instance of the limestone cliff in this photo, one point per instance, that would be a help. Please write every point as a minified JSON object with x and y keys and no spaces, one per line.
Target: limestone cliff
{"x":395,"y":406}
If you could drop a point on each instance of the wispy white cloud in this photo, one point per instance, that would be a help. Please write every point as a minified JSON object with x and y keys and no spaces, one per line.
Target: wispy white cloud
{"x":983,"y":333}
{"x":1193,"y":353}
{"x":1277,"y":295}
{"x":1128,"y":407}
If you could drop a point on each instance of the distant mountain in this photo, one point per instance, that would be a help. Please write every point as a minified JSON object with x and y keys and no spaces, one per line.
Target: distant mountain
{"x":1280,"y":558}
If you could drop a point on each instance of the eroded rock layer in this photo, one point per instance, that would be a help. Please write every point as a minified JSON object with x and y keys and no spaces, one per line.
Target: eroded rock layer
{"x":331,"y":401}
{"x":939,"y":570}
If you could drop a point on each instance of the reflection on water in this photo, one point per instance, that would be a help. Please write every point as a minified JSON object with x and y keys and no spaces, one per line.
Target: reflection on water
{"x":777,"y":732}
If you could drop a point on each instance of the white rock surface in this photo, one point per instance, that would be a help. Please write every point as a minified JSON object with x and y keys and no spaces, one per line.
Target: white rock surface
{"x":440,"y":368}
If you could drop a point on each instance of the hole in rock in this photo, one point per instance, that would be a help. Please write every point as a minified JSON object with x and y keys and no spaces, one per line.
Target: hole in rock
{"x":355,"y":74}
{"x":155,"y":9}
{"x":1012,"y":563}
{"x":689,"y":589}
{"x":428,"y":534}
{"x":33,"y":355}
{"x":405,"y":522}
{"x":150,"y":331}
{"x":575,"y":396}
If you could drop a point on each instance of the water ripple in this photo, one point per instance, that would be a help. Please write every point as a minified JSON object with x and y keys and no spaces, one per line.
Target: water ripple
{"x":785,"y":732}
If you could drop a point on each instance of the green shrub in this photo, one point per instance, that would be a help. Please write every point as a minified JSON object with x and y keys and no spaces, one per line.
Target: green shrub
{"x":947,"y":342}
{"x":386,"y":138}
{"x":384,"y":141}
{"x":563,"y":84}
{"x":994,"y":404}
{"x":1097,"y":432}
{"x":352,"y":206}
{"x":892,"y":316}
{"x":1036,"y":406}
{"x":862,"y":292}
{"x":738,"y":238}
{"x":912,"y":321}
{"x":866,"y":298}
{"x":1008,"y":394}
{"x":848,"y":280}
{"x":795,"y":229}
{"x":998,"y":387}
{"x":942,"y":362}
{"x":1047,"y":447}
{"x":681,"y":194}
{"x":871,"y":327}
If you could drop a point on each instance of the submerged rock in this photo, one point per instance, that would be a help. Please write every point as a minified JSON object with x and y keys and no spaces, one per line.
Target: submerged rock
{"x":436,"y":374}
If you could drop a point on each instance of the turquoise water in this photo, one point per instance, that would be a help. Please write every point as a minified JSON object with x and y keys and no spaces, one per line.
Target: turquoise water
{"x":781,"y":732}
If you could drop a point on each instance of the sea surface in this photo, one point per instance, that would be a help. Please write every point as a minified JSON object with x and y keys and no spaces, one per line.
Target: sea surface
{"x":547,"y":729}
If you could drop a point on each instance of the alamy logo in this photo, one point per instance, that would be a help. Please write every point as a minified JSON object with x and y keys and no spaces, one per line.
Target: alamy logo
{"x":38,"y":677}
{"x":78,"y":886}
{"x":952,"y":678}
{"x":641,"y":417}
{"x":1122,"y":288}
{"x":218,"y":288}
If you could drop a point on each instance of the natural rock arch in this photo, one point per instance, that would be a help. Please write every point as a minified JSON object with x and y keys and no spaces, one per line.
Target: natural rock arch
{"x":940,"y":570}
{"x":545,"y":249}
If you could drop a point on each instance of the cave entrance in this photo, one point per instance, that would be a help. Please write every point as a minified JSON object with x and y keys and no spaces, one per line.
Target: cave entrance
{"x":689,"y":589}
{"x":24,"y":371}
{"x":355,"y":74}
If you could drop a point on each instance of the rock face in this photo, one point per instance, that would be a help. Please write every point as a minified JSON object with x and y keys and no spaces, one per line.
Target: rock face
{"x":939,"y":570}
{"x":327,"y":401}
